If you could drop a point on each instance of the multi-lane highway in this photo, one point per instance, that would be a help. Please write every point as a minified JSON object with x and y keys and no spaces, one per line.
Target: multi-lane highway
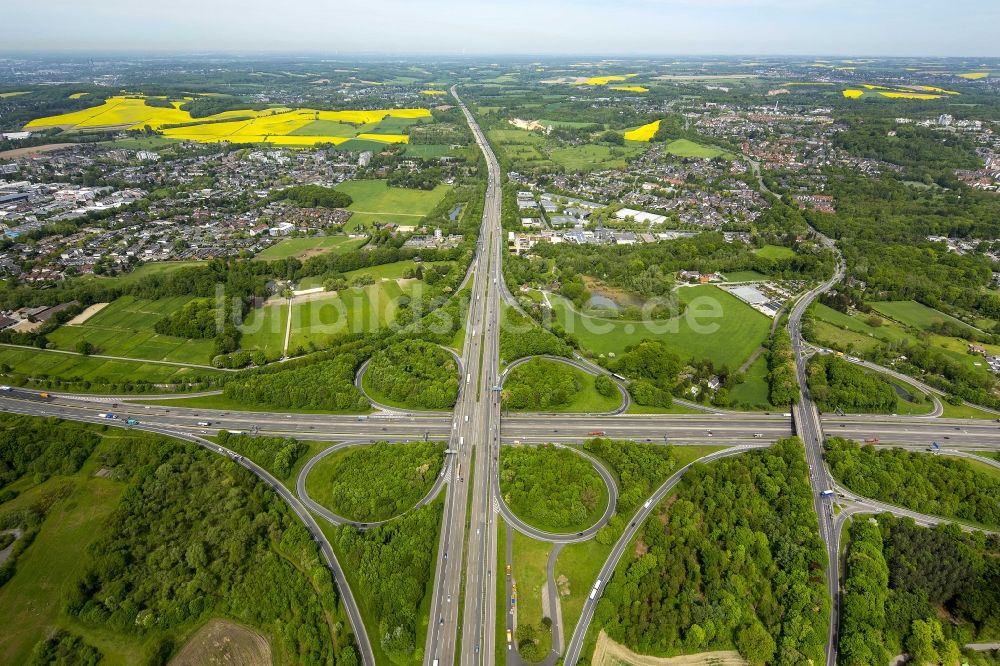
{"x":809,"y":428}
{"x":475,"y":438}
{"x":462,"y":624}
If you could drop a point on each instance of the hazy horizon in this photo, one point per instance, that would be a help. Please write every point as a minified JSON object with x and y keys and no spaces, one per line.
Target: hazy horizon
{"x":630,"y":28}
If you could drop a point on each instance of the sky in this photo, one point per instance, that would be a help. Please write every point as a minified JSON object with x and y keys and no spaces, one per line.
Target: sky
{"x":529,"y":27}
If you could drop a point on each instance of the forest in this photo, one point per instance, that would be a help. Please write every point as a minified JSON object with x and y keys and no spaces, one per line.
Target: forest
{"x":835,"y":383}
{"x":165,"y":560}
{"x":41,"y":449}
{"x":374,"y":483}
{"x":936,"y":485}
{"x":393,"y":565}
{"x":901,"y":580}
{"x":414,"y":373}
{"x":920,"y":150}
{"x":277,"y":455}
{"x":551,"y":488}
{"x":732,"y":560}
{"x":539,"y":385}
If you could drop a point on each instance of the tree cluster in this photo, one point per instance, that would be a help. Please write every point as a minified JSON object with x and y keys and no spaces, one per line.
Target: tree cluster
{"x":733,"y":559}
{"x":652,"y":368}
{"x":550,"y":487}
{"x":931,"y":484}
{"x":326,"y":385}
{"x":196,"y":319}
{"x":375,"y":483}
{"x":640,"y":467}
{"x":520,"y":337}
{"x":415,"y":373}
{"x":393,"y":564}
{"x":541,"y":384}
{"x":164,"y":559}
{"x":314,"y":196}
{"x":901,"y":579}
{"x":834,"y":382}
{"x":277,"y":455}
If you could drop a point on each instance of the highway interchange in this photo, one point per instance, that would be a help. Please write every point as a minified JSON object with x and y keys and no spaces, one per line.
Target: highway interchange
{"x":463,"y":622}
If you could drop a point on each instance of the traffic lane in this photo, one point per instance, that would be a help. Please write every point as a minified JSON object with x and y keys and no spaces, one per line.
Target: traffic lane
{"x":953,"y":436}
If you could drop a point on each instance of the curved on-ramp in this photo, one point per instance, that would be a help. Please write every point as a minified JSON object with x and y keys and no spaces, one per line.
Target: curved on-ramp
{"x":556,"y":537}
{"x":335,"y":519}
{"x":590,"y":369}
{"x":359,"y":384}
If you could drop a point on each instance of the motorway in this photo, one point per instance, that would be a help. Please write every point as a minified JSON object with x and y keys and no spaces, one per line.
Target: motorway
{"x":475,"y":437}
{"x":462,"y":624}
{"x":809,"y":427}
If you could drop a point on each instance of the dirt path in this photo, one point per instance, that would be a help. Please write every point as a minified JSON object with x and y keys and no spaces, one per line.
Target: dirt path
{"x":33,"y":150}
{"x":609,"y":653}
{"x":86,"y":314}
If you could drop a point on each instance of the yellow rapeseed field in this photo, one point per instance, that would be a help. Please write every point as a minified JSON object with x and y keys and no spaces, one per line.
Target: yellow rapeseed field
{"x":853,"y":94}
{"x":635,"y":89}
{"x":78,"y":95}
{"x":274,"y":125}
{"x":909,"y":95}
{"x":934,"y":89}
{"x":974,"y":76}
{"x":605,"y":80}
{"x":644,"y":133}
{"x":433,"y":93}
{"x":386,"y":138}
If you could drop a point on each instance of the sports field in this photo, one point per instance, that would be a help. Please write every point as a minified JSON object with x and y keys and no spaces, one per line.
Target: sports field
{"x":125,"y":328}
{"x":302,"y":248}
{"x":775,"y":252}
{"x":717,"y":326}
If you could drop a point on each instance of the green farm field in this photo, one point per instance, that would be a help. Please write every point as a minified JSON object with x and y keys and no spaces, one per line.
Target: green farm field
{"x":728,"y":339}
{"x":38,"y":363}
{"x":306,"y":247}
{"x":125,"y":328}
{"x":374,"y":200}
{"x":686,"y":148}
{"x":775,"y":252}
{"x":917,"y":315}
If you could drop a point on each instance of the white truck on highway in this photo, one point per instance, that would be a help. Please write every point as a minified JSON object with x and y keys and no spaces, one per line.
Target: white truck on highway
{"x":596,"y":589}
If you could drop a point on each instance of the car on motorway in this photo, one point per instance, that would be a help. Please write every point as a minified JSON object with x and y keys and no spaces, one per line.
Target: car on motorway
{"x":758,"y":435}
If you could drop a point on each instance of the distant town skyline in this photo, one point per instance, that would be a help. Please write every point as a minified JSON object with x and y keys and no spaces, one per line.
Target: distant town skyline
{"x":542,"y":27}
